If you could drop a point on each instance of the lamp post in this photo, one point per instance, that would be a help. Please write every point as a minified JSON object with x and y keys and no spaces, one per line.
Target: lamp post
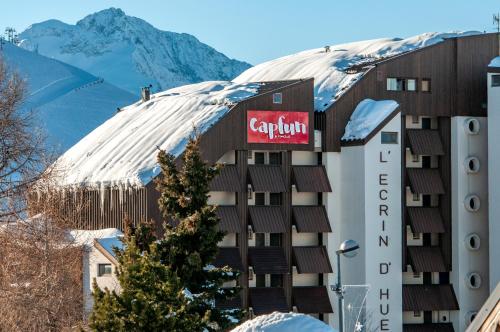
{"x":349,"y":249}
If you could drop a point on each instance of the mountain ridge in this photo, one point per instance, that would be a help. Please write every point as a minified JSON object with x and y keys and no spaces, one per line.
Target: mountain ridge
{"x":130,"y":52}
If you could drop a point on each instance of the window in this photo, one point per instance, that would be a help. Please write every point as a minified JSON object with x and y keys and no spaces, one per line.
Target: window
{"x":276,"y":280}
{"x":260,"y":199}
{"x":104,"y":269}
{"x":416,"y":158}
{"x":260,"y":239}
{"x":389,"y":137}
{"x":275,"y":240}
{"x":260,"y":280}
{"x":277,"y":98}
{"x":426,"y":123}
{"x":416,"y":197}
{"x":416,"y":236}
{"x":417,"y":314}
{"x":415,"y":119}
{"x":411,"y":84}
{"x":395,"y":84}
{"x":495,"y":80}
{"x":275,"y":199}
{"x":260,"y":158}
{"x":426,"y":85}
{"x":274,"y":158}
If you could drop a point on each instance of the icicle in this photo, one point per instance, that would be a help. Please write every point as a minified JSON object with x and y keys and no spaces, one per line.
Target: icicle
{"x":102,"y":192}
{"x":120,"y":191}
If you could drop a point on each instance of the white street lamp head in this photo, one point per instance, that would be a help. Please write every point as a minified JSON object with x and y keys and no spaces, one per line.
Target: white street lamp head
{"x":349,"y":248}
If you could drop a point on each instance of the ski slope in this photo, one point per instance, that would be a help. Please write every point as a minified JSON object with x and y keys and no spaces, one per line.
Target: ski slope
{"x":68,"y":103}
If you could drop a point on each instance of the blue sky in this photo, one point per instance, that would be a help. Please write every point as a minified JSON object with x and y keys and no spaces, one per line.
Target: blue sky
{"x":259,"y":30}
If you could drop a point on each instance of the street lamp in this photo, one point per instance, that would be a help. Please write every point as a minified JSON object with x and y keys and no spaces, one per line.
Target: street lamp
{"x":349,"y":249}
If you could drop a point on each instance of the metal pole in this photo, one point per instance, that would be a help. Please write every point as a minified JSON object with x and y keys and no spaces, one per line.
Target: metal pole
{"x":340,"y":295}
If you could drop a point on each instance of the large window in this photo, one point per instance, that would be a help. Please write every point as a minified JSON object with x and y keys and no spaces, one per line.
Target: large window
{"x":389,"y":137}
{"x":395,"y":84}
{"x":495,"y":80}
{"x":104,"y":269}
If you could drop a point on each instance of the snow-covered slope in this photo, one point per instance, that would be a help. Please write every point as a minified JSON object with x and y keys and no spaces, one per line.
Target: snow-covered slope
{"x":329,"y":68}
{"x":283,"y":322}
{"x":122,"y":151}
{"x":68,"y":102}
{"x":129,"y":52}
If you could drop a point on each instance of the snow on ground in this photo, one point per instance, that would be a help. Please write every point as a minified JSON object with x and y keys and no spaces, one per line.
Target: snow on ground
{"x":495,"y":62}
{"x":123,"y":150}
{"x":367,"y":116}
{"x":67,"y":102}
{"x":328,"y":68}
{"x":283,"y":322}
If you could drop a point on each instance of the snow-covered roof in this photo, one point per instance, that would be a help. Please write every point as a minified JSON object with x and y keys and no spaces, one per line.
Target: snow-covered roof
{"x":109,"y":243}
{"x":366,"y":117}
{"x":495,"y":62}
{"x":278,"y":322}
{"x":87,"y":237}
{"x":329,"y":68}
{"x":123,"y":150}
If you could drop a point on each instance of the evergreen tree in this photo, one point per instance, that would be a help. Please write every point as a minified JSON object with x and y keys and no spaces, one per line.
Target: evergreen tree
{"x":151,"y":297}
{"x":190,"y":248}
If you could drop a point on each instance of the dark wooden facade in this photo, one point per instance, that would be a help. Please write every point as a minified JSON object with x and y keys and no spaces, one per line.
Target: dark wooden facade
{"x":457,"y":70}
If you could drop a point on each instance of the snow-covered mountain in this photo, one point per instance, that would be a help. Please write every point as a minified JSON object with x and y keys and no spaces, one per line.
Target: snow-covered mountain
{"x":129,"y":52}
{"x":68,"y":102}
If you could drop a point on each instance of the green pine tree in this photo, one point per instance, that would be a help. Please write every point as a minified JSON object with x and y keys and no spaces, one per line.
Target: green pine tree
{"x":151,"y":297}
{"x":190,"y":248}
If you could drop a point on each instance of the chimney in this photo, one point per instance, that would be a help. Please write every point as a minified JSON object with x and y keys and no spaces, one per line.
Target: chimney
{"x":146,"y":93}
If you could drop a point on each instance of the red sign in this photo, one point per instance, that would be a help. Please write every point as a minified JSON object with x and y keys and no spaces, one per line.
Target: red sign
{"x":278,"y":127}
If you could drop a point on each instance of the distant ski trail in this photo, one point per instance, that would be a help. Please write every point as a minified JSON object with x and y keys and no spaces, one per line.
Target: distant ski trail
{"x":50,"y":84}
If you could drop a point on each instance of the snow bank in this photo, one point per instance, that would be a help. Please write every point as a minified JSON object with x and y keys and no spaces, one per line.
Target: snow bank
{"x":366,"y":117}
{"x":328,"y":68}
{"x":87,"y":237}
{"x":283,"y":322}
{"x":495,"y":62}
{"x":123,"y":150}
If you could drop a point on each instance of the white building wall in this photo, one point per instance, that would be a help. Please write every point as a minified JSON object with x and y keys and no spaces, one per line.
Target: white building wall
{"x":464,"y":222}
{"x":494,"y":180}
{"x":383,"y":230}
{"x":91,"y":259}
